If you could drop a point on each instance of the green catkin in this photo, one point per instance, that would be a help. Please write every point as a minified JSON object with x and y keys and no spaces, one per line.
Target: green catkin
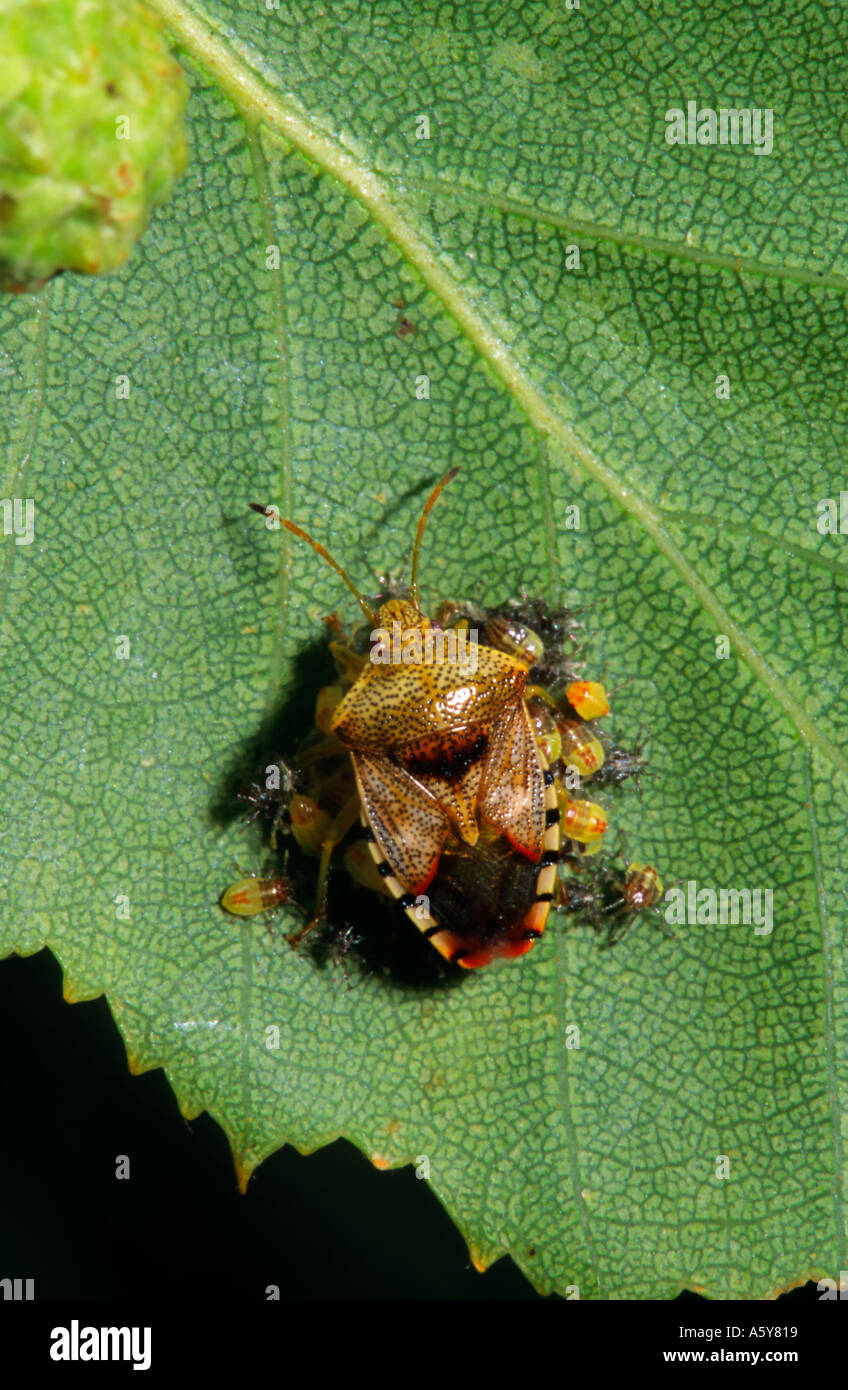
{"x":75,"y":76}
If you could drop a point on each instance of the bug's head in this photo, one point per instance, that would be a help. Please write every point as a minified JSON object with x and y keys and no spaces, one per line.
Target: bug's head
{"x":407,"y":611}
{"x":407,"y":615}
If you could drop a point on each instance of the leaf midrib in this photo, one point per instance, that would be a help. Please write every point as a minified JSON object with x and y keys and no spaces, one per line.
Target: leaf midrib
{"x":281,"y":341}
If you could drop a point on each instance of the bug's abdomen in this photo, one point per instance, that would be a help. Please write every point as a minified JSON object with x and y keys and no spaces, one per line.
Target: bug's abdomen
{"x":491,"y":900}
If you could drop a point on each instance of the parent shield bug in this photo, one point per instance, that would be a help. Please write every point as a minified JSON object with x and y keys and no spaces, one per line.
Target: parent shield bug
{"x":437,"y":764}
{"x":453,"y":795}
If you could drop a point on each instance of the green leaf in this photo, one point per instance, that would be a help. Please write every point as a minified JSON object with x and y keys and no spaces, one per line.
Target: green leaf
{"x":594,"y":1166}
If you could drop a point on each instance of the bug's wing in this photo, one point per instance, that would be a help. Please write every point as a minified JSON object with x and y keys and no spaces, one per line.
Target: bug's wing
{"x":512,"y":796}
{"x":409,"y":827}
{"x":456,"y":794}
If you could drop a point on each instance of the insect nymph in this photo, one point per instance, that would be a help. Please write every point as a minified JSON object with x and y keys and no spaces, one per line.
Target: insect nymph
{"x":437,"y":769}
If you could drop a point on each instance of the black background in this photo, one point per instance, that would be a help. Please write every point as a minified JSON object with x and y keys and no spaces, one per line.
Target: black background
{"x":328,"y":1226}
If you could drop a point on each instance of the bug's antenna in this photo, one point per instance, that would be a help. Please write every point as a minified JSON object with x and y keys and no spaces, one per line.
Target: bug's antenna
{"x":428,"y":507}
{"x":325,"y":555}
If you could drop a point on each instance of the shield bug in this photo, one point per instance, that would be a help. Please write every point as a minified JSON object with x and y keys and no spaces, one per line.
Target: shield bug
{"x":621,"y":763}
{"x":588,"y":698}
{"x":611,"y":897}
{"x":453,"y":795}
{"x":253,"y":893}
{"x":642,"y":887}
{"x":268,"y":800}
{"x":440,"y":767}
{"x":640,"y":892}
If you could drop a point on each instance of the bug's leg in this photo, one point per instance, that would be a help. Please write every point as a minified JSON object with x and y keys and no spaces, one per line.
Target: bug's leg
{"x":277,"y":824}
{"x":281,"y":818}
{"x":336,"y":833}
{"x":571,"y":896}
{"x":322,"y":744}
{"x":539,"y":692}
{"x":349,"y":664}
{"x":622,"y":922}
{"x":616,"y":933}
{"x":318,"y":750}
{"x":660,"y":922}
{"x":559,"y":902}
